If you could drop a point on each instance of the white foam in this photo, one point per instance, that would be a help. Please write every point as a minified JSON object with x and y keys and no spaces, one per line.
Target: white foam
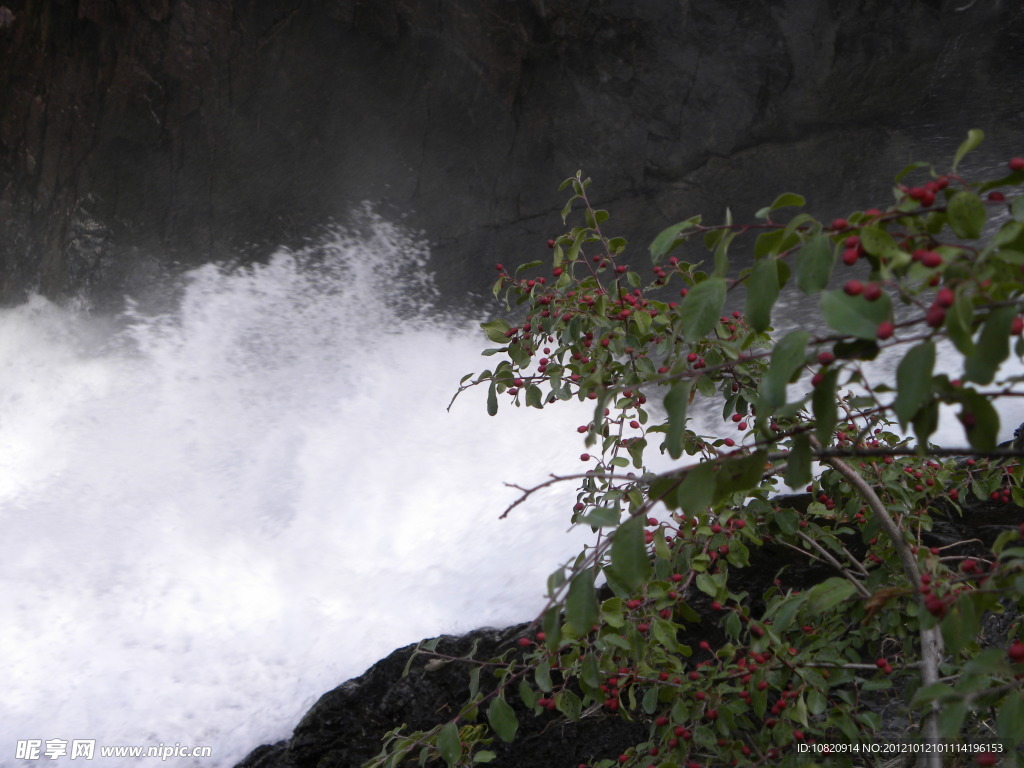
{"x":216,"y":515}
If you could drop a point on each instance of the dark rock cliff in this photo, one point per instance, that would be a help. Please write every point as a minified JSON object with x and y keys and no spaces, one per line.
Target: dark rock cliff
{"x":136,"y":135}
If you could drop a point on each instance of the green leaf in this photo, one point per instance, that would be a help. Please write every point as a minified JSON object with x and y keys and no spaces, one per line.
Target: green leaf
{"x":581,"y":608}
{"x":958,"y":324}
{"x":914,"y":381}
{"x":785,"y":200}
{"x":909,"y":168}
{"x":980,"y":420}
{"x":951,"y":717}
{"x":762,"y":291}
{"x":829,"y":593}
{"x":502,"y":718}
{"x":926,"y":421}
{"x":798,"y":463}
{"x":449,"y":744}
{"x":960,"y":626}
{"x":878,"y":242}
{"x":816,"y":701}
{"x":630,"y":562}
{"x":665,"y":633}
{"x":1010,"y":720}
{"x":855,"y":315}
{"x":591,"y":673}
{"x":966,"y":214}
{"x":697,"y":490}
{"x":528,"y":265}
{"x":974,"y":138}
{"x":668,"y":238}
{"x":534,"y":396}
{"x":993,"y":346}
{"x":786,"y":361}
{"x":474,"y":682}
{"x":788,"y":610}
{"x":492,"y":399}
{"x":601,"y":517}
{"x":1017,"y":208}
{"x":740,"y":473}
{"x":650,"y":702}
{"x":611,"y":612}
{"x":700,"y":310}
{"x":823,"y":404}
{"x":484,"y":756}
{"x":496,"y":329}
{"x":814,"y":263}
{"x":676,"y":403}
{"x":709,"y":585}
{"x":569,"y":704}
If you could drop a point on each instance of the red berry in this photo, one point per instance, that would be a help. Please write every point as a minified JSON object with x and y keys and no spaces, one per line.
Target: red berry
{"x":936,"y":316}
{"x":1017,"y":326}
{"x":850,"y":256}
{"x":885,"y":330}
{"x":584,"y":457}
{"x":1016,"y":164}
{"x":524,"y":642}
{"x":853,"y":287}
{"x":872,"y":291}
{"x":986,"y":758}
{"x":839,"y":224}
{"x":931,"y":259}
{"x":945,"y":297}
{"x":936,"y":606}
{"x":826,"y":357}
{"x":996,"y":197}
{"x":1016,"y":651}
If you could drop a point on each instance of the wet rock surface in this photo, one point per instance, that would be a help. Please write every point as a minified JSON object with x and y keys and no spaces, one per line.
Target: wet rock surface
{"x":142,"y":136}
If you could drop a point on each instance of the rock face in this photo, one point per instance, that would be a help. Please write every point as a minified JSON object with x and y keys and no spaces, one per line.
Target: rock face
{"x":344,"y":728}
{"x":138,"y":135}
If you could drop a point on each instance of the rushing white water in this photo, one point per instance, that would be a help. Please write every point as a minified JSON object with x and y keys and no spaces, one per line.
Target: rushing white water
{"x":213,"y":516}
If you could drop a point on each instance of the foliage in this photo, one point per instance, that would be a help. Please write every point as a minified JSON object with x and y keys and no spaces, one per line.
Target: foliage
{"x":943,"y":269}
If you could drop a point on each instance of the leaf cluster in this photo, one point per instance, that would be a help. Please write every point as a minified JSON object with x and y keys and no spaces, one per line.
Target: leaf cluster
{"x":935,"y":275}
